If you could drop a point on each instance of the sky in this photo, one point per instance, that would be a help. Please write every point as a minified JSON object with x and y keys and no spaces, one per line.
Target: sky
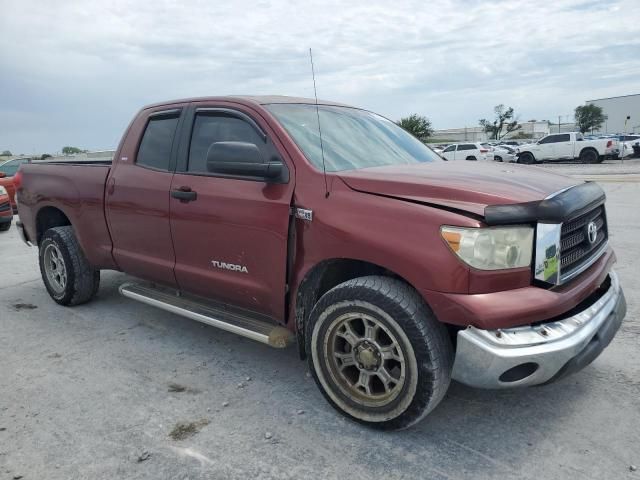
{"x":75,"y":72}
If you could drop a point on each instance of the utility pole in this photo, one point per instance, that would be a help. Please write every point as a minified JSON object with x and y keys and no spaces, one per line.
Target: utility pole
{"x":559,"y":123}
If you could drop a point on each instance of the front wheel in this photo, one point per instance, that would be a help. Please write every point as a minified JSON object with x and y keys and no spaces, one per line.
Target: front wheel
{"x":5,"y":226}
{"x":526,"y":158}
{"x":66,"y":272}
{"x":378,"y":353}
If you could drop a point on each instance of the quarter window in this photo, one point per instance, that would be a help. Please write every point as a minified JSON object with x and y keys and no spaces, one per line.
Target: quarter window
{"x":155,"y":147}
{"x":209,"y":129}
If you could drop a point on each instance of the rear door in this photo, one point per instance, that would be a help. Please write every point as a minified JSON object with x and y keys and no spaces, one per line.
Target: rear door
{"x":231,"y":237}
{"x":563,"y":146}
{"x":137,"y":197}
{"x":466,"y":150}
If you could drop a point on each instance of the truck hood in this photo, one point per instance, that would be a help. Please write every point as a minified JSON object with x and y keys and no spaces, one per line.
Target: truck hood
{"x":464,"y":185}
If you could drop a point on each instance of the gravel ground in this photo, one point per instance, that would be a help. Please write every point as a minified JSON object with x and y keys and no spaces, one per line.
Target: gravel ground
{"x":117,"y":389}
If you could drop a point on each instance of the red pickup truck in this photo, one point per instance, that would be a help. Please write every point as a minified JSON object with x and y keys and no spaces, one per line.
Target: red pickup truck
{"x":285,"y":221}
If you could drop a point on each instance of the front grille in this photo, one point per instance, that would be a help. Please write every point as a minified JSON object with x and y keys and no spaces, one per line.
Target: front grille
{"x":5,"y":206}
{"x":575,"y":248}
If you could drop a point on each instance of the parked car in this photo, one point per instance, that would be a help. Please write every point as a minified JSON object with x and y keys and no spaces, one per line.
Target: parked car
{"x":467,"y":151}
{"x":568,"y":146}
{"x":392,"y":270}
{"x":7,"y":170}
{"x":504,"y":153}
{"x":6,"y":214}
{"x":626,"y":144}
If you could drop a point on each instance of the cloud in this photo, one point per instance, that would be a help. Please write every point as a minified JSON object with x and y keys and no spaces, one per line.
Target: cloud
{"x":76,"y":71}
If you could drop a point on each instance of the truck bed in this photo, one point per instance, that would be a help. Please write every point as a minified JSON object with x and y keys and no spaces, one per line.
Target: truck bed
{"x":76,"y":190}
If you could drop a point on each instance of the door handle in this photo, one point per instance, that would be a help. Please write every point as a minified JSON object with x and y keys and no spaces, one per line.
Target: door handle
{"x":184,"y":194}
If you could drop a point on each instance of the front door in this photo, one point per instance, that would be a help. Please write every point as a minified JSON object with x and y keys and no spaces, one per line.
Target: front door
{"x":230,"y":237}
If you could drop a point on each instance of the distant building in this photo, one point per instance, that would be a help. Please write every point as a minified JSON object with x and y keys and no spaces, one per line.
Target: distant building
{"x":533,"y":129}
{"x":617,"y":109}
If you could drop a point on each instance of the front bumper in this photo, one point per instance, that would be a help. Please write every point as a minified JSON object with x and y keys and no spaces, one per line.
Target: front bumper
{"x":535,"y":354}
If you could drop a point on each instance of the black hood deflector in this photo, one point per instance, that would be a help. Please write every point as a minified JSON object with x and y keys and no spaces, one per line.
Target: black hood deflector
{"x":556,"y":208}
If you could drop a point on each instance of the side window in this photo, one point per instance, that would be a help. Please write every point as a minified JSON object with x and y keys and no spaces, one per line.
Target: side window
{"x":466,"y":147}
{"x":565,"y":137}
{"x":209,"y":129}
{"x":155,"y":147}
{"x":450,"y":148}
{"x":549,"y":139}
{"x":10,"y":168}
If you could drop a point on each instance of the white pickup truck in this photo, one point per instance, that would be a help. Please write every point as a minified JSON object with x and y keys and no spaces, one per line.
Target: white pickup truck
{"x":568,"y":146}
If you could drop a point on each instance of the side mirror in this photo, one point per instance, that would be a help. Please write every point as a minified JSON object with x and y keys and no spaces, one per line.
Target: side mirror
{"x":241,"y":159}
{"x":2,"y":174}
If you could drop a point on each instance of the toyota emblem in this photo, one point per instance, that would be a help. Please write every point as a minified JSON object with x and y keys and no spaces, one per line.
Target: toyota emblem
{"x":592,"y":232}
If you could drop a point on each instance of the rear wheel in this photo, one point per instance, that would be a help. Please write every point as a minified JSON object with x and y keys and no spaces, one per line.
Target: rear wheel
{"x":471,"y":158}
{"x":378,"y":353}
{"x":497,"y":158}
{"x":5,"y":226}
{"x":66,"y":272}
{"x":589,"y":156}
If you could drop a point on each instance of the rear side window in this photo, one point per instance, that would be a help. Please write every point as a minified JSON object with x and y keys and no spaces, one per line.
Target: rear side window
{"x":565,"y":137}
{"x":466,"y":147}
{"x":155,"y":147}
{"x":209,"y":129}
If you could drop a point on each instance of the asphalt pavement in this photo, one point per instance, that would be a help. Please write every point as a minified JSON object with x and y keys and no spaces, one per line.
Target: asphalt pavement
{"x":117,"y":389}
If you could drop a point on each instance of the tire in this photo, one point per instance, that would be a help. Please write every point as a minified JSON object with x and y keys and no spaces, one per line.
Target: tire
{"x":66,"y":273}
{"x":526,"y":158}
{"x":589,"y":156}
{"x":471,"y":158}
{"x":350,"y":370}
{"x":5,"y":226}
{"x":497,"y":158}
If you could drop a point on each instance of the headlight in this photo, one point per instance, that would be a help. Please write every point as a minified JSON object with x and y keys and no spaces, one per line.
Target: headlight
{"x":491,"y":248}
{"x":3,"y":191}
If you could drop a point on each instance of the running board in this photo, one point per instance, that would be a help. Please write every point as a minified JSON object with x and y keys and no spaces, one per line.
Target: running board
{"x":224,"y":317}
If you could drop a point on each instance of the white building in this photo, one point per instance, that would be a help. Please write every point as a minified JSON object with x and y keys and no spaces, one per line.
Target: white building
{"x":617,"y":109}
{"x":533,"y":128}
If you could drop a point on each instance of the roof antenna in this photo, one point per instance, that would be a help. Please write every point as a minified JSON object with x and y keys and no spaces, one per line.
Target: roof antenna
{"x":315,"y":93}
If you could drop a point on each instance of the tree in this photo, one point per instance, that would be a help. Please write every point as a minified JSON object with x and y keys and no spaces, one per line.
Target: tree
{"x":71,"y":150}
{"x":44,"y":156}
{"x":589,"y":117}
{"x":418,"y":126}
{"x":504,"y":123}
{"x":6,"y":153}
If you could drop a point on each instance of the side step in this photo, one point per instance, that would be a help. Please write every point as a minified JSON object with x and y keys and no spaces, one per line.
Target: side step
{"x":224,"y":317}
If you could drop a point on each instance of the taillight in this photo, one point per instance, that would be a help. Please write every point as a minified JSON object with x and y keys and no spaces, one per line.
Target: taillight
{"x":17,"y":180}
{"x":609,"y":143}
{"x":483,"y":150}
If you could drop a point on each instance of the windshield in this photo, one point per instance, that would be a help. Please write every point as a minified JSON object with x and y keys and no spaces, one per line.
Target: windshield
{"x":351,"y":138}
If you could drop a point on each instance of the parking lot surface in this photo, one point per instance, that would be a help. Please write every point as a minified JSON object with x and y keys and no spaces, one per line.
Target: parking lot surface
{"x":118,"y":389}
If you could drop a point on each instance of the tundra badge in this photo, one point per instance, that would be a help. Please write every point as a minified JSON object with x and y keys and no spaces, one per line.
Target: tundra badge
{"x":229,"y":266}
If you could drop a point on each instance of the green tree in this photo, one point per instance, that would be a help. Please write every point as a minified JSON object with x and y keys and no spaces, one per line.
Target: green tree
{"x":503,"y":124}
{"x":589,"y":118}
{"x":71,"y":150}
{"x":6,"y":153}
{"x":418,"y":126}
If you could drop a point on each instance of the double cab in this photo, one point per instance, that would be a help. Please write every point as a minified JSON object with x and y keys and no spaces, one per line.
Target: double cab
{"x":330,"y":227}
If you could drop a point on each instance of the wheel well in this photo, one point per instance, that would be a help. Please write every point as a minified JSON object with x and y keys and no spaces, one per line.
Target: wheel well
{"x":470,"y":157}
{"x":322,"y":278}
{"x":49,"y":217}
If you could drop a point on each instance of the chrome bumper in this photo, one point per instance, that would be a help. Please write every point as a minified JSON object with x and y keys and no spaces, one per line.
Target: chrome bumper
{"x":532,"y":355}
